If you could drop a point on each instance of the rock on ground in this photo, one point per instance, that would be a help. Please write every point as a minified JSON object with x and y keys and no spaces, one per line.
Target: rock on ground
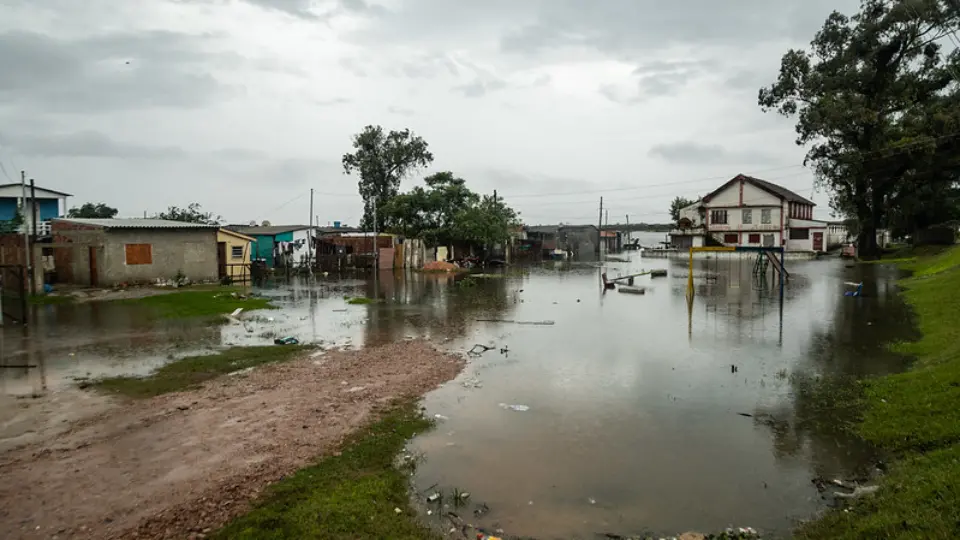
{"x":183,"y":464}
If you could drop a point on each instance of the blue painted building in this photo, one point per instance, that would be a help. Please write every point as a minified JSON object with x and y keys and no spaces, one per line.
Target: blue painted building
{"x":276,"y":244}
{"x":50,"y":204}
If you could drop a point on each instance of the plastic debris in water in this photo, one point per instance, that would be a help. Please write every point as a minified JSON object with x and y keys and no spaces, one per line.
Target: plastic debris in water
{"x":433,"y":498}
{"x":518,"y":408}
{"x":289,"y":340}
{"x":398,"y":511}
{"x":440,"y":417}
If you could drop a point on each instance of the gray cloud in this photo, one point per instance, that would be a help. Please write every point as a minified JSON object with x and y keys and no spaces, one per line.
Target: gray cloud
{"x":86,"y":144}
{"x":480,"y":87}
{"x":110,"y":72}
{"x":401,"y":111}
{"x":331,"y":101}
{"x":690,"y":152}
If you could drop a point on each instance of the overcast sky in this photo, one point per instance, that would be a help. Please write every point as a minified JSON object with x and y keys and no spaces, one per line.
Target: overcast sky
{"x":244,"y":105}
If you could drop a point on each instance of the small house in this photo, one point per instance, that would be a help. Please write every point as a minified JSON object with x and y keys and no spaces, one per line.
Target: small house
{"x":107,"y":252}
{"x":277,"y":245}
{"x":50,"y":204}
{"x":233,"y":255}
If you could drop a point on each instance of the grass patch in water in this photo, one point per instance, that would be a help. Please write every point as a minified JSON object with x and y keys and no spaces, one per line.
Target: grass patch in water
{"x":350,"y":495}
{"x":360,"y":300}
{"x":199,"y":303}
{"x":190,"y":371}
{"x":915,"y":416}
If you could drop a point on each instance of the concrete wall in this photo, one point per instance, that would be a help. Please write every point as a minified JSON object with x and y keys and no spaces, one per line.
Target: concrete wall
{"x":193,"y":252}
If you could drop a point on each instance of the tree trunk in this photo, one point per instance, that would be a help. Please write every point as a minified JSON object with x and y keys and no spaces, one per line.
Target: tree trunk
{"x":867,"y":235}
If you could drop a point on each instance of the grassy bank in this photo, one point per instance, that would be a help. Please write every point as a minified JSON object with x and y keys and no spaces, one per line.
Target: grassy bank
{"x":350,"y":495}
{"x":916,"y":416}
{"x":199,"y":302}
{"x":190,"y":371}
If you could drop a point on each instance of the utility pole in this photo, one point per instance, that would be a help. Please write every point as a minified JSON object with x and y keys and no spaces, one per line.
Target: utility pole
{"x":26,"y":237}
{"x":600,"y":227}
{"x":628,"y":228}
{"x":310,"y":238}
{"x":33,"y":231}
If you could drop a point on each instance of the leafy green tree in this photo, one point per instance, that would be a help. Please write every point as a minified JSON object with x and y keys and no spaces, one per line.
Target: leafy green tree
{"x":91,"y":210}
{"x":382,"y":160}
{"x":191,"y":214}
{"x":678,"y":203}
{"x":486,"y":223}
{"x":872,"y":101}
{"x":14,"y":224}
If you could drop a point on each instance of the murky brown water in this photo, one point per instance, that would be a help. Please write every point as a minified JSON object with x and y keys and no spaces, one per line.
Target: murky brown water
{"x":633,"y":421}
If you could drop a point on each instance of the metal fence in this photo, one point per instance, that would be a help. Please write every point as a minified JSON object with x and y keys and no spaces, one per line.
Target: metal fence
{"x":13,"y":293}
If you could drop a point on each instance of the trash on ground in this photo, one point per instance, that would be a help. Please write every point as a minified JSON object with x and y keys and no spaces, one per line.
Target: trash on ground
{"x":236,"y":312}
{"x":658,"y":273}
{"x":354,"y":389}
{"x":479,"y":349}
{"x":440,"y":417}
{"x":518,"y":408}
{"x":858,"y":491}
{"x":289,"y":340}
{"x":398,"y":511}
{"x":433,"y":498}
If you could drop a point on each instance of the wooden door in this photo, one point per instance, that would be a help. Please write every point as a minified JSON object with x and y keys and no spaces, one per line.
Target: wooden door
{"x":94,"y":274}
{"x":818,"y":241}
{"x":222,"y":259}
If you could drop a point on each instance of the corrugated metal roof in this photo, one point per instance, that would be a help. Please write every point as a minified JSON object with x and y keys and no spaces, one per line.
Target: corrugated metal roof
{"x":267,"y":230}
{"x":137,"y":223}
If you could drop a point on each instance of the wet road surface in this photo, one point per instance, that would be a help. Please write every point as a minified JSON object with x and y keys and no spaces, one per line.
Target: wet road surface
{"x":634,"y":421}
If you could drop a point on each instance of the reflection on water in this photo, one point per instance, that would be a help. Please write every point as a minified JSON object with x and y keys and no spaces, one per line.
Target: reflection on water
{"x":635,"y":402}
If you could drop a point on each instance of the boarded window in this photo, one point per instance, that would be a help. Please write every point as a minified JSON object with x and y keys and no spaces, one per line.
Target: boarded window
{"x":139,"y":254}
{"x":765,"y":216}
{"x":747,"y":217}
{"x":718,"y":217}
{"x":768,"y":240}
{"x":754,"y":238}
{"x":731,"y":238}
{"x":799,"y":234}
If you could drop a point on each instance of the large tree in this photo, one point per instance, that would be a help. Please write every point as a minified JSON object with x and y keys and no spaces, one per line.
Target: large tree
{"x":382,"y":160}
{"x":869,"y":97}
{"x":91,"y":210}
{"x":677,"y":204}
{"x":191,"y":214}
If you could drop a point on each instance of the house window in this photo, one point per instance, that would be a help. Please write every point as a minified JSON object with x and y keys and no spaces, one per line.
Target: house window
{"x":799,"y":234}
{"x":236,"y":252}
{"x":747,"y":217}
{"x":754,"y":239}
{"x":731,"y":238}
{"x":718,"y":217}
{"x":768,"y":240}
{"x":765,"y":216}
{"x":139,"y":254}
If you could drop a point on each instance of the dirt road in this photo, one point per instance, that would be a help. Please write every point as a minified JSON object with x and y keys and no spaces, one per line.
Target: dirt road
{"x":179,"y":465}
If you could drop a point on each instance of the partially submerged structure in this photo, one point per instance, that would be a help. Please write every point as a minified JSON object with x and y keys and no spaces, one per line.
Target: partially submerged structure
{"x":748,"y":211}
{"x":106,"y":252}
{"x":278,"y":246}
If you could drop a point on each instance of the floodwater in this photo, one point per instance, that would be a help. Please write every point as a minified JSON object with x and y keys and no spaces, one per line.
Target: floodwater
{"x":633,"y":405}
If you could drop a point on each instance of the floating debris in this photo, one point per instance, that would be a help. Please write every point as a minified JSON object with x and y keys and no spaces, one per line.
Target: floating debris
{"x":433,"y":498}
{"x":518,"y":408}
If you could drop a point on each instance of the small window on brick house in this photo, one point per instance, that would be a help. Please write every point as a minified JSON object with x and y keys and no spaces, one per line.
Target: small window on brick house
{"x":754,"y":239}
{"x":731,"y":238}
{"x":139,"y":254}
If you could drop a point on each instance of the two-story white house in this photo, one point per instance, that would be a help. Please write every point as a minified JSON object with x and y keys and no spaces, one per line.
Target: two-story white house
{"x":748,"y":211}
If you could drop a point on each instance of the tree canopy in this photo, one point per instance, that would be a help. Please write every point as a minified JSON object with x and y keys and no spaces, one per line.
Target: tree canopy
{"x":382,"y":160}
{"x":677,"y":204}
{"x":447,"y":211}
{"x":93,"y":211}
{"x":875,"y":100}
{"x":191,"y":214}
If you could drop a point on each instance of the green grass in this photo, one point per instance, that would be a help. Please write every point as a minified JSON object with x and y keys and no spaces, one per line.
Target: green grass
{"x":360,"y":300}
{"x":916,"y":417}
{"x":351,"y":495}
{"x":199,"y":303}
{"x":51,"y":299}
{"x":190,"y":371}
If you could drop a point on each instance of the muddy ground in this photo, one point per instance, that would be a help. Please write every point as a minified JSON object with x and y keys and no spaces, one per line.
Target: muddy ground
{"x":180,"y":465}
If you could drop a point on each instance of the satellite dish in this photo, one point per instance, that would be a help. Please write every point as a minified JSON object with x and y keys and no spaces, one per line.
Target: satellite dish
{"x":265,"y":223}
{"x":253,"y":223}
